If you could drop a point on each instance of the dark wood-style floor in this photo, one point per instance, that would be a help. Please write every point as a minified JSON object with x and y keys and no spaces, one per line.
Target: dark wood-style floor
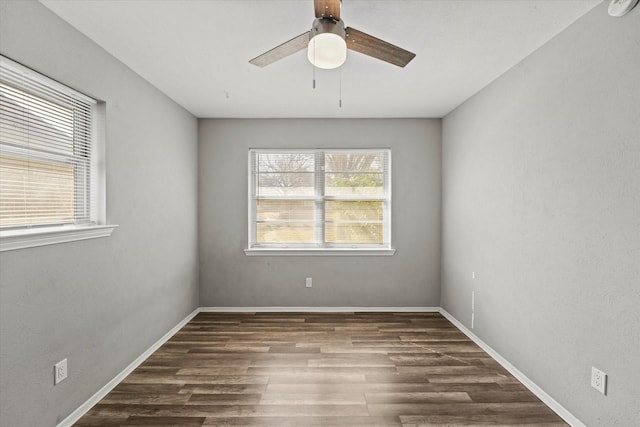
{"x":312,"y":369}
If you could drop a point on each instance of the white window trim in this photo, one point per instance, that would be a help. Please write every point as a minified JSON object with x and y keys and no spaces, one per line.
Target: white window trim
{"x":319,"y":252}
{"x":28,"y":237}
{"x":292,"y":250}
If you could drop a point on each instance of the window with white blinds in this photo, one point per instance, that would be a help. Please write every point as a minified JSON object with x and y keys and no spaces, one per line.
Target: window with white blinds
{"x":47,"y":134}
{"x":320,"y":199}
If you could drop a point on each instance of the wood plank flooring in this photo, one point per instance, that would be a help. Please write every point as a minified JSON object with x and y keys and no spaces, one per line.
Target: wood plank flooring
{"x":320,"y":369}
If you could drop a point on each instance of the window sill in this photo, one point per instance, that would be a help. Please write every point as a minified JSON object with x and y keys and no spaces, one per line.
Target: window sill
{"x":318,"y":252}
{"x":21,"y":239}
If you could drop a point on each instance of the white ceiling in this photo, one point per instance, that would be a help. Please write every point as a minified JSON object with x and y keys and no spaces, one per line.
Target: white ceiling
{"x":197,"y":51}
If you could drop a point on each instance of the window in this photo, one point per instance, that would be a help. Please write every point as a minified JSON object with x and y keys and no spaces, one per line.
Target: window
{"x":319,"y":201}
{"x":49,"y":180}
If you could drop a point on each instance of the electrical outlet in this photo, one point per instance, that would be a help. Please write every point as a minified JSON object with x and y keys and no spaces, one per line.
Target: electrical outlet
{"x":309,"y":282}
{"x":598,"y":380}
{"x":59,"y":371}
{"x":473,"y":275}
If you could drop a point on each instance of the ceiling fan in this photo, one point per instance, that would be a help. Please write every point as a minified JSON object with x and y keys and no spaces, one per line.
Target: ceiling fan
{"x":328,"y":40}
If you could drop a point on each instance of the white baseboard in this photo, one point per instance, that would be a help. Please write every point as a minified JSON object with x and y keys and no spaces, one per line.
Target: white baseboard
{"x":533,"y":387}
{"x":318,"y":309}
{"x":100,"y":394}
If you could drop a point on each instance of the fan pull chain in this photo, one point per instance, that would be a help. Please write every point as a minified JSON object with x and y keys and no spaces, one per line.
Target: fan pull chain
{"x":312,"y":65}
{"x":340,"y":90}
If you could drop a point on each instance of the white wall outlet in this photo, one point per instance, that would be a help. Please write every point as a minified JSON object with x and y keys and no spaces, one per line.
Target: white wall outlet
{"x":598,"y":380}
{"x":309,"y":282}
{"x":59,"y":371}
{"x":473,"y":275}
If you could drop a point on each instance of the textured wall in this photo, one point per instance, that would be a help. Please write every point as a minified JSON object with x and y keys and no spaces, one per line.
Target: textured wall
{"x":100,"y":303}
{"x":541,"y":198}
{"x":409,"y":278}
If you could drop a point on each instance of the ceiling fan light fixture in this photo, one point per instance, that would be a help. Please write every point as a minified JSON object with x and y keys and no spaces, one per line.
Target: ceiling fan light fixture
{"x":327,"y":46}
{"x":328,"y":40}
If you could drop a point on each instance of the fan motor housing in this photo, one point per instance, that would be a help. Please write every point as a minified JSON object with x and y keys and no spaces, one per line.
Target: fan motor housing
{"x":327,"y":25}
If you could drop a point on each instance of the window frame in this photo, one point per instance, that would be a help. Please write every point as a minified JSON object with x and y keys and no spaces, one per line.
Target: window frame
{"x":320,"y":247}
{"x":90,"y":215}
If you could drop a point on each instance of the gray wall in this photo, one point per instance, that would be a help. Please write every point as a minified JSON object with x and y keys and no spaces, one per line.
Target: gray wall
{"x":99,"y":303}
{"x":541,"y":194}
{"x":541,"y":198}
{"x":409,"y":278}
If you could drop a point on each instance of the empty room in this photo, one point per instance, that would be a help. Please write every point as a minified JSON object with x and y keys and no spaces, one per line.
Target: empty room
{"x":319,"y":213}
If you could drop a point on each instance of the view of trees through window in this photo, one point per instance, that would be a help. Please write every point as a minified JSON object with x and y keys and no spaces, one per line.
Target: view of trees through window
{"x":320,"y":197}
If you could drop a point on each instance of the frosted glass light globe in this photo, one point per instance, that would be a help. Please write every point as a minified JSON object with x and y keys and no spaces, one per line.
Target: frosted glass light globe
{"x":327,"y":50}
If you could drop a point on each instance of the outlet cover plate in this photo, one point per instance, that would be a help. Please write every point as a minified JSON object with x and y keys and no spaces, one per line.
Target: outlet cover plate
{"x":60,"y":371}
{"x":598,"y":380}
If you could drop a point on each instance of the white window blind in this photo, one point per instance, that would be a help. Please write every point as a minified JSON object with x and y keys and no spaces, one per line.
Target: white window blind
{"x":320,"y":199}
{"x":47,"y":134}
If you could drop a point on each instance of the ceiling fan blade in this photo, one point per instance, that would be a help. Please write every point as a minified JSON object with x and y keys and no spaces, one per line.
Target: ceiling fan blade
{"x":380,"y":49}
{"x":327,"y":9}
{"x":285,"y":49}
